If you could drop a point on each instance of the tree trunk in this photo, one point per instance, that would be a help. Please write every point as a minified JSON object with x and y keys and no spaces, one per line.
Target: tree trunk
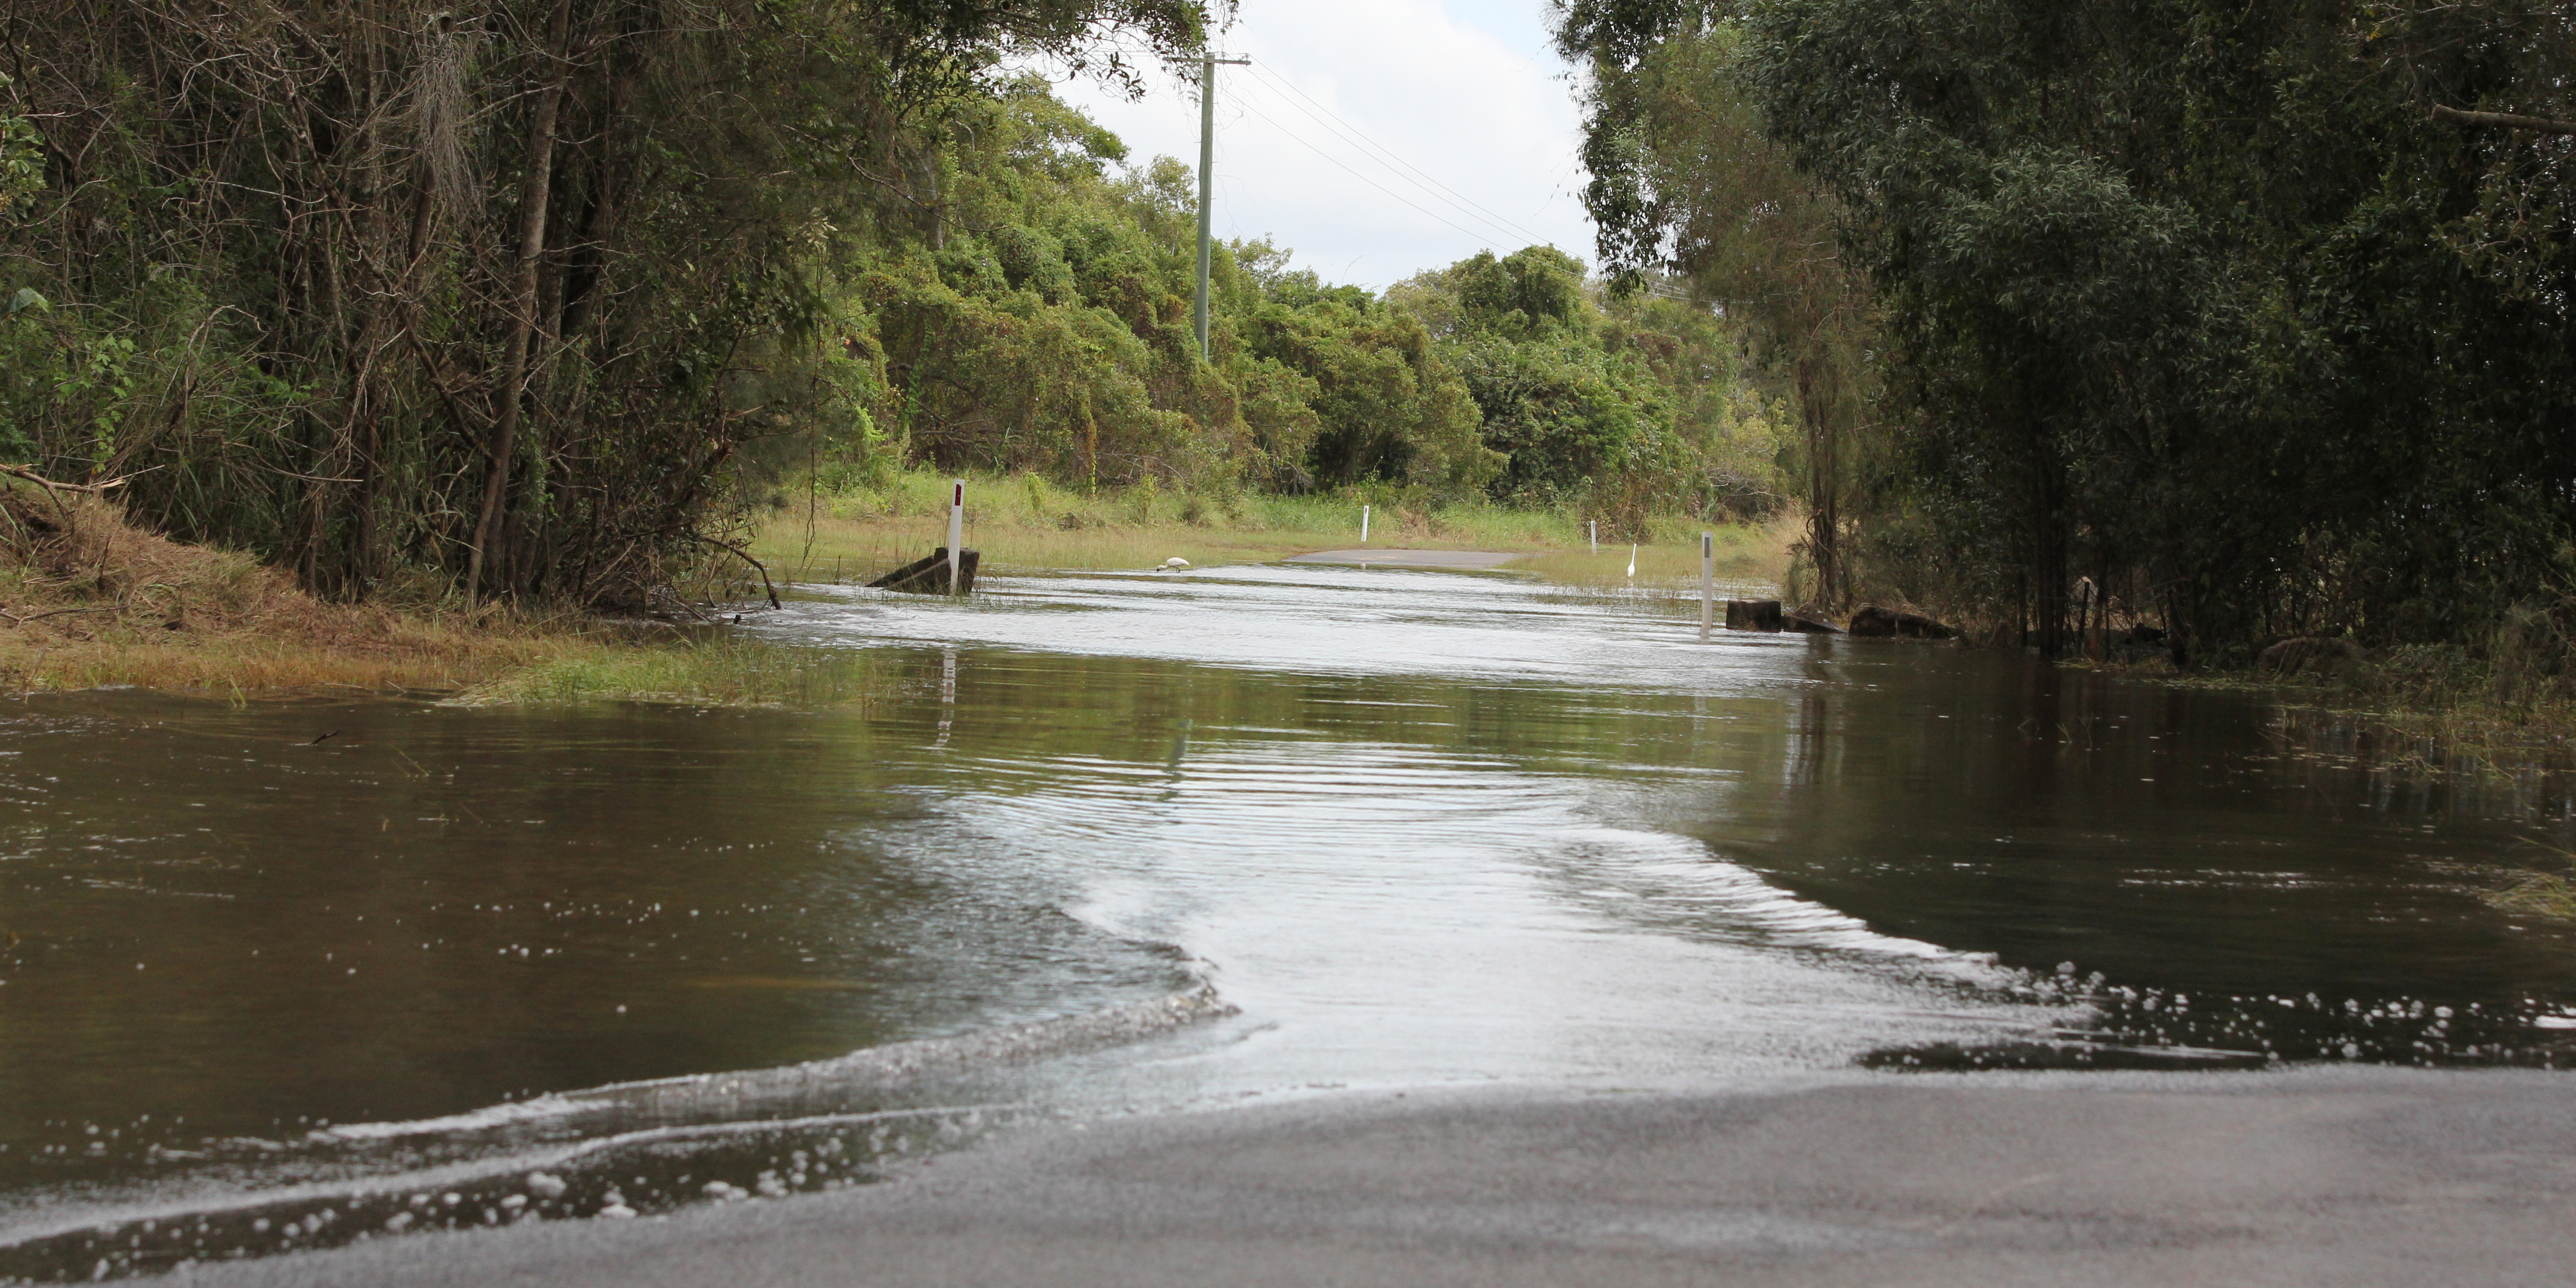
{"x":1824,"y":517}
{"x":2048,"y":550}
{"x":539,"y":185}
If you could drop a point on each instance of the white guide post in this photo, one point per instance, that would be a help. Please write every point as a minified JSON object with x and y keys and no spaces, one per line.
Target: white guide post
{"x":1707,"y":584}
{"x":1593,"y":528}
{"x":1364,"y":525}
{"x":956,"y":529}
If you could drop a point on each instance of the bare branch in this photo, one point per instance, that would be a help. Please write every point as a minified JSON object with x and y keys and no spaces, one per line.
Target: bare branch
{"x":92,"y":489}
{"x":2503,"y":120}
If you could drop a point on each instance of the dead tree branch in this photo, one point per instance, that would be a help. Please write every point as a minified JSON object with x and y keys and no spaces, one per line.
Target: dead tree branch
{"x":2503,"y":120}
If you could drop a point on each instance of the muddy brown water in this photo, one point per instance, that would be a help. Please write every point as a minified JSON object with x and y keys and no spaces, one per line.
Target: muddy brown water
{"x":283,"y":974}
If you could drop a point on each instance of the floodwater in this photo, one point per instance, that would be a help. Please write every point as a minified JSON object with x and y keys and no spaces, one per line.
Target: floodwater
{"x":282,"y":975}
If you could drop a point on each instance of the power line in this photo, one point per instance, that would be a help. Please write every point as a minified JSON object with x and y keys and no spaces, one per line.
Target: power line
{"x":1388,"y":157}
{"x":1469,"y":209}
{"x":1301,"y":140}
{"x":1495,"y":230}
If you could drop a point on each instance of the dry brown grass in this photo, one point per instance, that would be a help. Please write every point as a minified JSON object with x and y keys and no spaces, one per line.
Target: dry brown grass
{"x":2541,"y":894}
{"x":87,"y":599}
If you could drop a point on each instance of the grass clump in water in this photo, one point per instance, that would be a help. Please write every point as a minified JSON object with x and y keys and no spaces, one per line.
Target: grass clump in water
{"x":2543,"y":894}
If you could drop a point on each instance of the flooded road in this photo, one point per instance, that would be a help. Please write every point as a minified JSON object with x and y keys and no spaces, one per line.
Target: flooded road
{"x":279,"y":974}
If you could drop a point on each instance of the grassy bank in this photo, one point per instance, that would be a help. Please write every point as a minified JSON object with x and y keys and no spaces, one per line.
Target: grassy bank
{"x":88,"y":601}
{"x":1024,"y":523}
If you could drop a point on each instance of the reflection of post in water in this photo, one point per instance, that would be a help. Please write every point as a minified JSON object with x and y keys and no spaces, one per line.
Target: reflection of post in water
{"x":1180,"y":748}
{"x":947,"y":693}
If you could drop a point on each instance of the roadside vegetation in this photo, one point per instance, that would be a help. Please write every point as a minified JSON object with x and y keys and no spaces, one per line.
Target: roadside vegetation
{"x":568,"y":306}
{"x":607,"y":308}
{"x":608,"y":304}
{"x":91,"y":600}
{"x":2261,"y":379}
{"x":1026,"y":523}
{"x":2278,"y":349}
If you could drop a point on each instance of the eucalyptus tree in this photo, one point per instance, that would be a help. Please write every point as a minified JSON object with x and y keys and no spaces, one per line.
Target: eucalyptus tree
{"x":1686,"y":186}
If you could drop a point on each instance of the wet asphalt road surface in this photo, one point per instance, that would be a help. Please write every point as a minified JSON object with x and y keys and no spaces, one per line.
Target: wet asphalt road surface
{"x":2320,"y":1176}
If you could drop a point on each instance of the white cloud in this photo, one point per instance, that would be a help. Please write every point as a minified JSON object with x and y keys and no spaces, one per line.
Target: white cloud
{"x":1338,"y":141}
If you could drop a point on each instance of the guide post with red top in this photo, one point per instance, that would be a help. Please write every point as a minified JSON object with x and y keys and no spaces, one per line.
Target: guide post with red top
{"x":956,"y":532}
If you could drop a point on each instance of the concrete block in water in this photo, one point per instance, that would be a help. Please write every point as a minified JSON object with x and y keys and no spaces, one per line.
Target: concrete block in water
{"x":1753,"y":615}
{"x":1889,"y":623}
{"x":928,"y":575}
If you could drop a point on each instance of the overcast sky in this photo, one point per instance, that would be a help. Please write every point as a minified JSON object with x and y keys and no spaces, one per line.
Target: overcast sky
{"x":1377,"y":138}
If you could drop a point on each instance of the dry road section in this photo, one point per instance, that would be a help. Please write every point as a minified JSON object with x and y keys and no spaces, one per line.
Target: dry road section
{"x":2324,"y":1176}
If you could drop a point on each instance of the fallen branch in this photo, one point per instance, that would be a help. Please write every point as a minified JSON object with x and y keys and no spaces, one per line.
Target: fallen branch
{"x":38,"y":617}
{"x":744,"y":555}
{"x":28,"y":473}
{"x":2503,"y":120}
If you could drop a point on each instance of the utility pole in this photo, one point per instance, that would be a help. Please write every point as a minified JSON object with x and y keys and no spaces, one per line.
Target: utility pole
{"x":1207,"y":170}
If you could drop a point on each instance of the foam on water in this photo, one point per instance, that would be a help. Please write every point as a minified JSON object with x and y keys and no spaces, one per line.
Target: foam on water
{"x":872,"y":1070}
{"x":1452,"y":918}
{"x":712,"y":1125}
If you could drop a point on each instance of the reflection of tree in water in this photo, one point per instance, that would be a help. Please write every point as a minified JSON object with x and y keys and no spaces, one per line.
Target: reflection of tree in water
{"x":2156,"y":836}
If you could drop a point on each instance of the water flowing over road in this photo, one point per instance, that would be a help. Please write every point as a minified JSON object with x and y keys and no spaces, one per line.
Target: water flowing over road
{"x":284,"y":975}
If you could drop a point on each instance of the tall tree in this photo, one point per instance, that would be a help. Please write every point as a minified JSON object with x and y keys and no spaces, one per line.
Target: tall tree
{"x":1686,"y":184}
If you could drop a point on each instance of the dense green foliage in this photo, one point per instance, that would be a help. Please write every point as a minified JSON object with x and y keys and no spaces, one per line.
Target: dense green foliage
{"x":2198,"y":300}
{"x":535,"y":296}
{"x":495,"y":289}
{"x":1629,"y":406}
{"x":1044,"y":325}
{"x":1045,"y":328}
